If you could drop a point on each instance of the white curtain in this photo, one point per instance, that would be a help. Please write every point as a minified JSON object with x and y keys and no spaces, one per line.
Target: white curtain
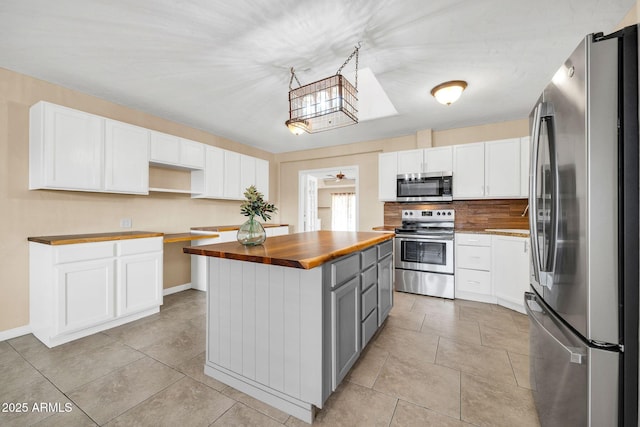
{"x":343,"y":211}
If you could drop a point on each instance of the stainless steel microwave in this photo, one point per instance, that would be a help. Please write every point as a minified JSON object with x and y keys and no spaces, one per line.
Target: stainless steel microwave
{"x":425,"y":187}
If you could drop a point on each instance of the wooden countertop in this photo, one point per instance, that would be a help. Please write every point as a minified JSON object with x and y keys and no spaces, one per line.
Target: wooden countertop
{"x":187,"y":237}
{"x":72,"y":239}
{"x":232,"y":227}
{"x":298,"y":250}
{"x":499,"y":232}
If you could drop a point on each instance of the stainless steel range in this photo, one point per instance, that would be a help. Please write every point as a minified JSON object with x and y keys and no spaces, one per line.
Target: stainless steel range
{"x":424,"y":253}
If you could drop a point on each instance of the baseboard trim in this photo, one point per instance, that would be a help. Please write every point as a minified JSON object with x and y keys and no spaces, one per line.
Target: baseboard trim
{"x":175,"y":289}
{"x":15,"y":332}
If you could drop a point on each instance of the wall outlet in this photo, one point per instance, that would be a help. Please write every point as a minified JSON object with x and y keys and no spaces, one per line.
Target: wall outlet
{"x":125,"y":223}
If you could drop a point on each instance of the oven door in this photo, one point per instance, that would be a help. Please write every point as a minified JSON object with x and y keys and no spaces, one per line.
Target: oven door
{"x":424,"y":253}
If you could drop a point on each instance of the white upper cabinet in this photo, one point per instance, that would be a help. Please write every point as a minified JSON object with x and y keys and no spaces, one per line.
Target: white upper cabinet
{"x":126,"y":158}
{"x":525,"y":153}
{"x":66,"y":148}
{"x":262,"y":177}
{"x":209,"y":182}
{"x":410,"y":161}
{"x":247,"y":172}
{"x":387,"y":176}
{"x":502,"y":168}
{"x":438,"y":159}
{"x":468,"y":171}
{"x":231,"y":181}
{"x":173,"y":151}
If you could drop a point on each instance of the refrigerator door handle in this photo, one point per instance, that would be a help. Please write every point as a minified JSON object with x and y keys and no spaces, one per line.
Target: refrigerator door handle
{"x":548,"y":116}
{"x":535,"y":310}
{"x":533,"y":203}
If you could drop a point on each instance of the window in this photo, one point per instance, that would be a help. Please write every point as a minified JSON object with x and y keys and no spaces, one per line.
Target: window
{"x":343,"y":211}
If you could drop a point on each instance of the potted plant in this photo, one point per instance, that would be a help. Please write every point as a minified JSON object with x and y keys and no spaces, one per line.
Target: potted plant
{"x":252,"y":232}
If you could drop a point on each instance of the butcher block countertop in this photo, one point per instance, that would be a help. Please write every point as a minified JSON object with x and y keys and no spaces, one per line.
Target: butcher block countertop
{"x":298,"y":250}
{"x":187,"y":237}
{"x":231,"y":227}
{"x":72,"y":239}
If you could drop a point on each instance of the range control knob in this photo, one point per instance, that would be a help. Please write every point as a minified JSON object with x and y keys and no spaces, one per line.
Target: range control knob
{"x":438,"y":212}
{"x":449,"y":213}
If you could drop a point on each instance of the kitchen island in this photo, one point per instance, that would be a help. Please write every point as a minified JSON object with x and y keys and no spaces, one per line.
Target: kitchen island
{"x":287,"y":320}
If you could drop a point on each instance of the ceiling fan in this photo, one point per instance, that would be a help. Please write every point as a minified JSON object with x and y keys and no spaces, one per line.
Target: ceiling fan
{"x":337,"y":177}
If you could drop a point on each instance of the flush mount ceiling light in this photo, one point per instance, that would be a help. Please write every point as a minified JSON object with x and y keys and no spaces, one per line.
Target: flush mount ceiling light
{"x":449,"y":92}
{"x":327,"y":104}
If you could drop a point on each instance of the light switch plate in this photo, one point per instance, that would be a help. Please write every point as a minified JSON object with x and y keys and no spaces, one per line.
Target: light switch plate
{"x":125,"y":223}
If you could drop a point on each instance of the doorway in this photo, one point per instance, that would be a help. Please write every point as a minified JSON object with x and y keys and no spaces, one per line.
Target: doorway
{"x":328,"y":199}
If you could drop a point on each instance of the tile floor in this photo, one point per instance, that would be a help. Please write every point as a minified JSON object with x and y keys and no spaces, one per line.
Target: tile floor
{"x":435,"y":363}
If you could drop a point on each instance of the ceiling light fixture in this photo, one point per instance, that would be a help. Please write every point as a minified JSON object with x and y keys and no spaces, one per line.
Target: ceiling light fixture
{"x":327,"y":104}
{"x":448,"y":92}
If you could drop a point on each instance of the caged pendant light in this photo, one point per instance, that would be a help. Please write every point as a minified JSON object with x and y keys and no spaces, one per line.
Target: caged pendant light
{"x":326,"y":104}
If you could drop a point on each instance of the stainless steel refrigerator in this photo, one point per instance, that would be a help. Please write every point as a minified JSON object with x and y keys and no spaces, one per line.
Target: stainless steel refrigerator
{"x":583,"y":301}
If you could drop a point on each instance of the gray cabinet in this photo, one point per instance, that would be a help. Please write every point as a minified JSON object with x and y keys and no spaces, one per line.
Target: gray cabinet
{"x":385,"y":287}
{"x":345,"y":308}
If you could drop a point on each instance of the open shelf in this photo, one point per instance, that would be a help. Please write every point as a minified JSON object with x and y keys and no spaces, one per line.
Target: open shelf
{"x":170,"y":190}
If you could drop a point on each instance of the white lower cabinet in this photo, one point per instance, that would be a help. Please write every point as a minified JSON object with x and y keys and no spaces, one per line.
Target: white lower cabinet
{"x":473,"y":267}
{"x":79,"y":289}
{"x":510,"y":270}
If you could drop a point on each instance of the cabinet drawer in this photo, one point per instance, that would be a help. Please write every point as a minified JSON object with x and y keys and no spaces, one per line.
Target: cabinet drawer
{"x":476,"y":257}
{"x":369,"y":327}
{"x":85,"y":251}
{"x":369,"y":277}
{"x":139,"y":246}
{"x":344,"y":269}
{"x":473,"y":239}
{"x":369,"y":257}
{"x":369,"y":300}
{"x":475,"y":281}
{"x":385,"y":248}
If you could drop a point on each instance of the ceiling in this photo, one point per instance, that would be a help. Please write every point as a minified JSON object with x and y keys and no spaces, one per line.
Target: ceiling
{"x":223,"y":66}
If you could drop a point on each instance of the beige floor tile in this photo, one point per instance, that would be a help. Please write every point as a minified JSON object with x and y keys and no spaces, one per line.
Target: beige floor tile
{"x":475,"y":359}
{"x":74,"y":371}
{"x":403,"y":301}
{"x":74,"y":418}
{"x":489,"y":403}
{"x":367,"y":368}
{"x":195,"y":369}
{"x":410,"y":415}
{"x":414,"y":348}
{"x":242,"y":415}
{"x":145,"y":332}
{"x":521,"y":321}
{"x":16,"y":375}
{"x":436,"y":306}
{"x":179,"y":348}
{"x":186,"y":402}
{"x":38,"y":391}
{"x":40,"y":356}
{"x":520,"y":364}
{"x":352,"y":405}
{"x":405,"y":320}
{"x":8,"y":354}
{"x":188,"y":310}
{"x":512,"y":341}
{"x":115,"y":393}
{"x":182,"y":297}
{"x":253,"y":403}
{"x":434,"y":387}
{"x":488,"y":317}
{"x":452,"y":328}
{"x":473,"y":304}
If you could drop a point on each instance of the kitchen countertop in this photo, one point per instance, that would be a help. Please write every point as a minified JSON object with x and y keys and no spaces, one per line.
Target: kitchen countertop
{"x":232,"y":227}
{"x":71,"y":239}
{"x":187,"y":237}
{"x":298,"y":250}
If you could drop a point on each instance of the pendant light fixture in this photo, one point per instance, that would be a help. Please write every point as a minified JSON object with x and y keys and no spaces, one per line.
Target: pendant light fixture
{"x":326,"y":104}
{"x":448,"y":92}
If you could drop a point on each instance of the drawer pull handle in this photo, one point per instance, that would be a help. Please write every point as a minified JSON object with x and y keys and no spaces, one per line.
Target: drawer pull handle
{"x":473,"y":282}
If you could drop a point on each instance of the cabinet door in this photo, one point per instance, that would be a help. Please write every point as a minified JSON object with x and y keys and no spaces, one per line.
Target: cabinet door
{"x":510,"y":270}
{"x":73,"y":149}
{"x":85,"y":294}
{"x":262,"y":177}
{"x":165,"y":149}
{"x":438,"y":159}
{"x":345,"y":328}
{"x":214,"y":172}
{"x":139,"y":283}
{"x":126,"y":158}
{"x":387,"y":176}
{"x":385,"y":287}
{"x":502,"y":168}
{"x":410,"y":161}
{"x":192,"y":154}
{"x":468,"y":171}
{"x":524,"y":166}
{"x":231,"y":189}
{"x":247,"y":172}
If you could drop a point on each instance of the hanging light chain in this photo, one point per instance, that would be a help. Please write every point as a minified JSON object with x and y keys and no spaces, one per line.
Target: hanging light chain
{"x":354,"y":53}
{"x":293,"y":76}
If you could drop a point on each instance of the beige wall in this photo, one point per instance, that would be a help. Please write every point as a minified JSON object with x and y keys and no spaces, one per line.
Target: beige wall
{"x":631,"y":17}
{"x":25,"y":213}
